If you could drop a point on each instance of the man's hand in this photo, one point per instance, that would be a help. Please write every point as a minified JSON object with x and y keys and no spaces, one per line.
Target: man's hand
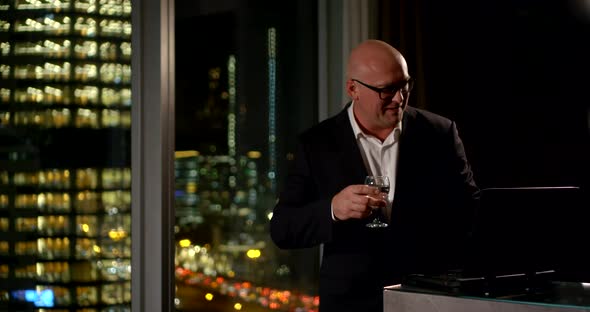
{"x":355,"y":202}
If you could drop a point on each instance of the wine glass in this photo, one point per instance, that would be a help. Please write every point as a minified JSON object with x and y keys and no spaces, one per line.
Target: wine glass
{"x":382,"y":183}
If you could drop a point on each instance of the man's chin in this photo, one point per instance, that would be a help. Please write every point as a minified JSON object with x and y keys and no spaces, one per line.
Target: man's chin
{"x":394,"y":118}
{"x":391,"y":122}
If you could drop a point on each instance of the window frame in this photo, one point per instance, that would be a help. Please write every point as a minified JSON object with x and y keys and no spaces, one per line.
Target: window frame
{"x":152,"y":156}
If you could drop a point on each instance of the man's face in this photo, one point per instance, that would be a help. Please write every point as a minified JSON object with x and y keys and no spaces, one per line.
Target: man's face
{"x":381,"y":101}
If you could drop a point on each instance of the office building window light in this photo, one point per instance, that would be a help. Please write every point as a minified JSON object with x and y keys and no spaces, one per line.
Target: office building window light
{"x":65,"y":182}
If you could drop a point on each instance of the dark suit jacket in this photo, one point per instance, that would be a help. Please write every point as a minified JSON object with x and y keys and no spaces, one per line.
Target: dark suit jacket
{"x":431,"y":211}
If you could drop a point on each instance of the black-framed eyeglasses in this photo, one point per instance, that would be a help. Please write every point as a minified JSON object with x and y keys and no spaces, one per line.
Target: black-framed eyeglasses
{"x":388,"y":93}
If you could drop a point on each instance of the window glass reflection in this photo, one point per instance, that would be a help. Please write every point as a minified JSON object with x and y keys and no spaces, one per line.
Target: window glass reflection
{"x":235,"y":119}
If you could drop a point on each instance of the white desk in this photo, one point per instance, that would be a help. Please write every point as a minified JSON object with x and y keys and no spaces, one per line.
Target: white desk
{"x":407,"y":299}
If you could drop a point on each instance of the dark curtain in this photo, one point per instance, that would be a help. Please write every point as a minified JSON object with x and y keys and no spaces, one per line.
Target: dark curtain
{"x":513,"y":74}
{"x":400,"y":23}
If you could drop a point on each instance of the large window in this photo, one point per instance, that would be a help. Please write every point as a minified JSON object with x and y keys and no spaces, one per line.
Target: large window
{"x":245,"y":86}
{"x":65,"y":176}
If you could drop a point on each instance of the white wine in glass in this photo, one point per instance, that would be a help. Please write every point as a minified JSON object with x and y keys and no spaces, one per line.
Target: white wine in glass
{"x":382,"y":183}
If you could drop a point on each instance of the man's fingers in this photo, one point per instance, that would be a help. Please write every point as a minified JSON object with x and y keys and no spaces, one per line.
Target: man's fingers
{"x":366,"y":202}
{"x":361,"y":189}
{"x":360,"y":200}
{"x":358,"y":211}
{"x":376,"y":201}
{"x":355,"y":201}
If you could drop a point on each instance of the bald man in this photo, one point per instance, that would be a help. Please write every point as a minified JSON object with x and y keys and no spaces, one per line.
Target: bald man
{"x":324,"y":201}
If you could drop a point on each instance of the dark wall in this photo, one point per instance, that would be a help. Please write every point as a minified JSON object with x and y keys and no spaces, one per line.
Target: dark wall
{"x":513,"y":74}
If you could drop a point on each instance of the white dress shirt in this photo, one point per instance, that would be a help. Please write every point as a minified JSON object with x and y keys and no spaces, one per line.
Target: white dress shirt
{"x":380,"y":157}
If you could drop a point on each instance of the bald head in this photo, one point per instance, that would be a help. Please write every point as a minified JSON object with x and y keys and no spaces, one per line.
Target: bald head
{"x":374,"y":58}
{"x":375,"y":68}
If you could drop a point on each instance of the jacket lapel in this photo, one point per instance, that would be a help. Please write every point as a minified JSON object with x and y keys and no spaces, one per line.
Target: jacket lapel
{"x":404,"y":162}
{"x":351,"y":160}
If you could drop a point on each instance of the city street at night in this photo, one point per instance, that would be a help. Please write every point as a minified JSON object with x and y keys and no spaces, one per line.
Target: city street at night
{"x":193,"y":298}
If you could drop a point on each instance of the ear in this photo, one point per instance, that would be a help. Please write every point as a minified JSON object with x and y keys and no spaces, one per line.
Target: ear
{"x":351,"y":89}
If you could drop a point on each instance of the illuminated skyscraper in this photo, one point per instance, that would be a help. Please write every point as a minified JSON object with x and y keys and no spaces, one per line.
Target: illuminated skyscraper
{"x":65,"y":178}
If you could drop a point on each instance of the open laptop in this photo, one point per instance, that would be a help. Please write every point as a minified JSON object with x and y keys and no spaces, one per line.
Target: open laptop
{"x":522,"y":236}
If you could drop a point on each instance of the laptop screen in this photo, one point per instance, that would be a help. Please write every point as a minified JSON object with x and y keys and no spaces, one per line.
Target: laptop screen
{"x":529,"y":229}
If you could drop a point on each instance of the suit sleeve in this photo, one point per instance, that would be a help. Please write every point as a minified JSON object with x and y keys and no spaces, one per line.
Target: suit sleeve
{"x":466,"y":191}
{"x":469,"y":189}
{"x":301,"y":218}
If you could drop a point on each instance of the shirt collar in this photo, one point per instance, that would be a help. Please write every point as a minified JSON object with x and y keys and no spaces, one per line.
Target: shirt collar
{"x":357,"y":129}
